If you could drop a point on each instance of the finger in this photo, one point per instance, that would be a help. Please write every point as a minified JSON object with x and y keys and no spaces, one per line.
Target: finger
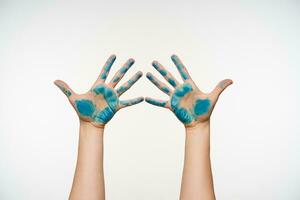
{"x":156,"y":102}
{"x":119,"y":75}
{"x":181,"y":68}
{"x":129,"y":83}
{"x":106,"y":68}
{"x":126,"y":103}
{"x":64,"y":88}
{"x":167,"y":75}
{"x":159,"y":84}
{"x":222,"y":85}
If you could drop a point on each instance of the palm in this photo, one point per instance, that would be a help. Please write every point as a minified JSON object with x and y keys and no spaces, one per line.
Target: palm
{"x":101,"y":102}
{"x":189,"y":104}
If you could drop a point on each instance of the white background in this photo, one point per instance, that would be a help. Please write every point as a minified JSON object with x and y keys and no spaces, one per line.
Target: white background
{"x":255,"y":135}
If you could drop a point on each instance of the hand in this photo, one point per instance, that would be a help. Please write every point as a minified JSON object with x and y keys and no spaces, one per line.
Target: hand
{"x":190,"y":105}
{"x":101,"y":102}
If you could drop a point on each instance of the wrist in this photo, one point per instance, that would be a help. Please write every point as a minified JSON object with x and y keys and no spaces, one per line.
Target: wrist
{"x":198,"y":126}
{"x":90,"y":128}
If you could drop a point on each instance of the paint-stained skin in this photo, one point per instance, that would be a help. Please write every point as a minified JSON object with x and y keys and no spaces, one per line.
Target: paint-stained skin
{"x":85,"y":107}
{"x":131,"y":102}
{"x":188,"y":103}
{"x":107,"y":67}
{"x":155,"y":102}
{"x":65,"y":91}
{"x":101,"y":102}
{"x":166,"y":90}
{"x":167,"y":75}
{"x":129,"y":83}
{"x":123,"y":70}
{"x":180,"y":67}
{"x":187,"y":115}
{"x":201,"y":106}
{"x":158,"y":84}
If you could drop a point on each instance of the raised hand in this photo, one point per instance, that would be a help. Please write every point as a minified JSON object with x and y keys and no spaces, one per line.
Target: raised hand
{"x":187,"y":101}
{"x":101,"y":102}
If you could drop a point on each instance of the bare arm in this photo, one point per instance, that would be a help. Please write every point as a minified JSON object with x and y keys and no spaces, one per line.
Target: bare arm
{"x":88,"y":180}
{"x":197,"y":181}
{"x":95,"y":109}
{"x":193,"y":108}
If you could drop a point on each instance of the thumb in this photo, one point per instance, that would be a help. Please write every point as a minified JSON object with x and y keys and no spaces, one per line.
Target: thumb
{"x":64,"y":88}
{"x":221,"y":86}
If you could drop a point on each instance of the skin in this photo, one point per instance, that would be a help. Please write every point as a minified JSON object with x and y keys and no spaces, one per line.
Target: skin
{"x":95,"y":109}
{"x":193,"y":108}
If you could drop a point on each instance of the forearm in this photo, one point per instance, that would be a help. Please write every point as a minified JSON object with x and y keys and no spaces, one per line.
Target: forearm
{"x":88,"y":180}
{"x":197,"y":181}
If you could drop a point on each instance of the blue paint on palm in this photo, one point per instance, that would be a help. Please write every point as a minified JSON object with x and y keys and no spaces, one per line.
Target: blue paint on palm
{"x":85,"y":107}
{"x":109,"y":95}
{"x":201,"y":106}
{"x":187,"y":116}
{"x":183,"y":115}
{"x":104,"y":115}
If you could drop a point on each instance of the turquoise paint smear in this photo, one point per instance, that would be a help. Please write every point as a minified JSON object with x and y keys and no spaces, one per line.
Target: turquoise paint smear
{"x":150,"y":77}
{"x":121,"y":89}
{"x":104,"y":75}
{"x":132,"y":102}
{"x":183,"y":115}
{"x":99,"y":89}
{"x":116,"y":79}
{"x":175,"y":102}
{"x":160,"y":70}
{"x":131,"y":82}
{"x":201,"y":107}
{"x":123,"y":70}
{"x":111,"y":99}
{"x":107,"y":66}
{"x":85,"y":107}
{"x":109,"y":95}
{"x":65,"y":91}
{"x":166,"y":90}
{"x":156,"y":103}
{"x":183,"y":90}
{"x":172,"y":82}
{"x":180,"y":67}
{"x":104,"y":116}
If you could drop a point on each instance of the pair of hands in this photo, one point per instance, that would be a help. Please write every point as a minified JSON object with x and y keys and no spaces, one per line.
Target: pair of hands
{"x":190,"y":105}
